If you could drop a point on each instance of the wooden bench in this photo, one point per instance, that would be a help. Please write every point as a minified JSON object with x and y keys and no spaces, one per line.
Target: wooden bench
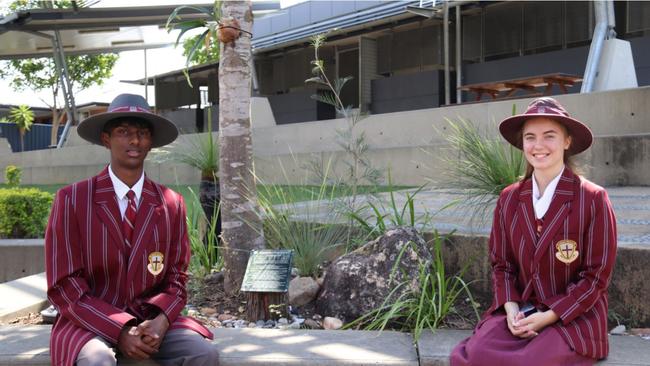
{"x":535,"y":86}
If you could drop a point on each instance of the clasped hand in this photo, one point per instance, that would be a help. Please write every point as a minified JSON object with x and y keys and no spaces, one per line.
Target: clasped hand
{"x":141,"y":342}
{"x":527,"y":327}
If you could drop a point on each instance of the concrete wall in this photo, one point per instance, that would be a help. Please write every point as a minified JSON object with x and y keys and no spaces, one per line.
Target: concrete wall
{"x":82,"y":160}
{"x":628,"y":295}
{"x":21,"y":258}
{"x":411,"y":142}
{"x":408,"y":142}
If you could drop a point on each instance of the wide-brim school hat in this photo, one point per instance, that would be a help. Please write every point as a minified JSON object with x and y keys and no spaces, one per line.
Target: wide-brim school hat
{"x":581,"y":136}
{"x":124,"y":106}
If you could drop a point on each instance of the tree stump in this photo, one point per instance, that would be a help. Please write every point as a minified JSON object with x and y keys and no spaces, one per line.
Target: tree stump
{"x":266,"y":305}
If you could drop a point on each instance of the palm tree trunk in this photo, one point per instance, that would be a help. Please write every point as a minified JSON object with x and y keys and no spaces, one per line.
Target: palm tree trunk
{"x":242,"y":227}
{"x":22,"y":138}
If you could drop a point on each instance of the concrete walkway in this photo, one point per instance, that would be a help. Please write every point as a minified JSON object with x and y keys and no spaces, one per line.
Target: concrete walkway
{"x":631,"y":206}
{"x":28,"y":345}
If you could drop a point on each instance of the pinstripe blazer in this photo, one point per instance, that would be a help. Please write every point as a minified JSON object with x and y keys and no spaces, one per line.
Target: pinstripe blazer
{"x":528,"y":267}
{"x":95,"y":281}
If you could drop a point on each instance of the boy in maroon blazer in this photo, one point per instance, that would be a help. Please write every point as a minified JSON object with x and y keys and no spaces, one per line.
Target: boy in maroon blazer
{"x":552,"y":249}
{"x":117,"y":253}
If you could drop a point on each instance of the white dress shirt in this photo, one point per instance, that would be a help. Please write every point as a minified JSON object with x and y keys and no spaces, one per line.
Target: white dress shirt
{"x":541,"y":204}
{"x":122,"y":189}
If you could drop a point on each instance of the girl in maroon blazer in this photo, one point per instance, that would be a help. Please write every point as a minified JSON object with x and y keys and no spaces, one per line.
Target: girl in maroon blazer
{"x":552,"y":250}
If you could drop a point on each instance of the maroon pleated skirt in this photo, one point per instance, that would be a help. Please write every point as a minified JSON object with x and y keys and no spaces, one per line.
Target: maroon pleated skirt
{"x":493,"y":344}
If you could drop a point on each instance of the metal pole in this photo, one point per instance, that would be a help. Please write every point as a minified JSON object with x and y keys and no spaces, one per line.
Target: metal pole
{"x":611,"y":20}
{"x":595,"y":50}
{"x":446,"y":46}
{"x":146,"y":78}
{"x":66,"y":87}
{"x":459,"y":48}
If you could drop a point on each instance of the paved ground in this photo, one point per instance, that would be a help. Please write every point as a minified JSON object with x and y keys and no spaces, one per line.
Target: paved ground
{"x":29,"y":346}
{"x":631,"y":205}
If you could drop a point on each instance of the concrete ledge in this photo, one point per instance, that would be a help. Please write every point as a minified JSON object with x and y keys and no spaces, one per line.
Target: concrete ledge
{"x":434,"y":349}
{"x":28,"y":345}
{"x":23,"y":296}
{"x":20,"y":258}
{"x":305,"y":347}
{"x":629,"y":297}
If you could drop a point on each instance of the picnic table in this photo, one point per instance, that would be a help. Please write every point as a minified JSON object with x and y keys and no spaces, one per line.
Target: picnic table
{"x":534,"y":85}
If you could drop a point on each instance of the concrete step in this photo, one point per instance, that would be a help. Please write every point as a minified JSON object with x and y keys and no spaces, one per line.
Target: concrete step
{"x":28,"y":345}
{"x":22,"y":296}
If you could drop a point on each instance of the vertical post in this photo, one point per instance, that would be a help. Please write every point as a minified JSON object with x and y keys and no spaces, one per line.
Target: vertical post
{"x":66,"y":87}
{"x":611,"y":20}
{"x":446,"y":46}
{"x":146,"y":78}
{"x":459,"y":63}
{"x":595,"y":50}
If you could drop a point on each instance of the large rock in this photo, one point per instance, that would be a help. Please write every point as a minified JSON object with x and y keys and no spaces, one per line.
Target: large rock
{"x":360,"y":281}
{"x":302,"y":290}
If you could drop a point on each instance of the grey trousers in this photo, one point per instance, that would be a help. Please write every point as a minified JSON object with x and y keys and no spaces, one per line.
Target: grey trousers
{"x":180,"y":347}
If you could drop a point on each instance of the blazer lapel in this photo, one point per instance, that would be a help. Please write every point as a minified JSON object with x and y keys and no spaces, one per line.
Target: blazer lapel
{"x":557,"y":212}
{"x":148,"y":214}
{"x":526,"y":213}
{"x":107,"y":209}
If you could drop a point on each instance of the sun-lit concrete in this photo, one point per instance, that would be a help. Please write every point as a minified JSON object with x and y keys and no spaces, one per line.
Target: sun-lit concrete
{"x":28,"y":345}
{"x":22,"y":296}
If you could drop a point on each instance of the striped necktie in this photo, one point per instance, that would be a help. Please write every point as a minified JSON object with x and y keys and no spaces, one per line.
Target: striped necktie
{"x":129,"y":218}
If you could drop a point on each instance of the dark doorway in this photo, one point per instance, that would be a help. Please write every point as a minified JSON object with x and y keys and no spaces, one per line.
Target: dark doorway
{"x":349,"y":66}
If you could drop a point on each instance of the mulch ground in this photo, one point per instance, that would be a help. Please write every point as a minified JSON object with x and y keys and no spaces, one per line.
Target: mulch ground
{"x":30,"y":319}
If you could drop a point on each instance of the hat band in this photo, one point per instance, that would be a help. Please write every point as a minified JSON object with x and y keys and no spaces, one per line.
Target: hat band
{"x":546,"y":110}
{"x":130,"y":109}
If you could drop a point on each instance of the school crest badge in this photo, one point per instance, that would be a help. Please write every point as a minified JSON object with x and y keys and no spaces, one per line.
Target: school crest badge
{"x":156,"y":264}
{"x":567,"y":251}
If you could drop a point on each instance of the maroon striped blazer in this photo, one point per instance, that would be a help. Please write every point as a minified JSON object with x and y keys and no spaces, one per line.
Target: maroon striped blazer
{"x":531,"y":267}
{"x":96,"y":282}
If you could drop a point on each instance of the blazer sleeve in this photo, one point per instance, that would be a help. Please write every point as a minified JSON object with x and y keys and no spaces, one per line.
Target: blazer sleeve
{"x":599,"y":256}
{"x":504,"y":268}
{"x":173,"y":295}
{"x":67,"y":287}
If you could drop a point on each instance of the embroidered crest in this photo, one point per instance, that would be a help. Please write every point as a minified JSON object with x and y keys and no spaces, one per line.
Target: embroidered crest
{"x":156,"y":264}
{"x":567,"y":251}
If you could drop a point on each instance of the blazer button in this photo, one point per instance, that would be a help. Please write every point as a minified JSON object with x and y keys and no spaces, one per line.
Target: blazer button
{"x":536,"y":276}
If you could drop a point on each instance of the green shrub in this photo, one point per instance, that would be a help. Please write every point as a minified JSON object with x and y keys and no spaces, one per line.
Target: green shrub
{"x":24,"y":212}
{"x":375,"y":219}
{"x":13,"y":174}
{"x":203,"y":238}
{"x":425,"y":307}
{"x":295,"y":226}
{"x":480,"y":165}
